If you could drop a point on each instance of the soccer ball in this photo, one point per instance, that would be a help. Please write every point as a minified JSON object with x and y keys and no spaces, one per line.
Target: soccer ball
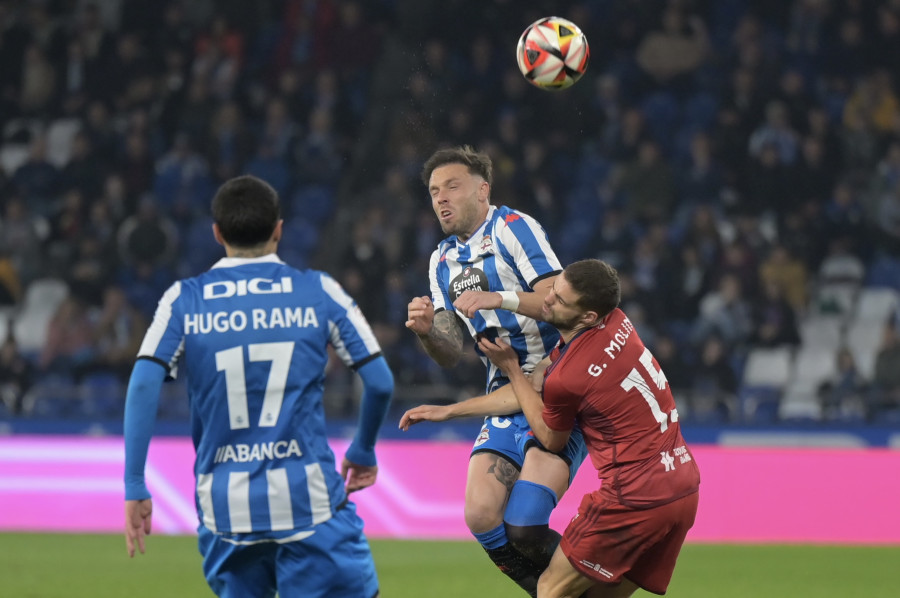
{"x":553,"y":53}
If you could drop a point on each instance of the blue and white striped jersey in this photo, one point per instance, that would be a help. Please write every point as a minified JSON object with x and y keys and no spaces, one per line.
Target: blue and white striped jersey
{"x":251,"y":335}
{"x":510,"y":252}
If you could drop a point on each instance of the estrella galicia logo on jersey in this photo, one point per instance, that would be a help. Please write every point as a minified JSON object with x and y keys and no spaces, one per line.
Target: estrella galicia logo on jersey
{"x":470,"y":279}
{"x":255,"y":286}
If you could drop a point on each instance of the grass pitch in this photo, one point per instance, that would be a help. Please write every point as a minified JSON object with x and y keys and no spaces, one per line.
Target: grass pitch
{"x":96,"y":566}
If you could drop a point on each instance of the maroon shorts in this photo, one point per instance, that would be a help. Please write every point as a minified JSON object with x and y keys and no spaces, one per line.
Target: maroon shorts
{"x":606,"y":541}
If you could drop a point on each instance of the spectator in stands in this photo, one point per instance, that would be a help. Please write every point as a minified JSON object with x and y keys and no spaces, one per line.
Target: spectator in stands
{"x":874,"y":101}
{"x":814,"y":177}
{"x":713,"y":395}
{"x":16,"y":373}
{"x":724,"y":313}
{"x":134,"y":166}
{"x":183,"y":183}
{"x":148,"y":236}
{"x":670,"y":357}
{"x":700,"y":180}
{"x":887,"y":219}
{"x":774,"y":319}
{"x":842,"y":396}
{"x":845,"y":216}
{"x":782,"y":268}
{"x":10,"y":284}
{"x":21,"y":238}
{"x":776,"y":132}
{"x":670,"y":54}
{"x":70,"y":335}
{"x":38,"y":82}
{"x":37,"y":180}
{"x":884,"y":399}
{"x":84,"y":171}
{"x":117,"y":334}
{"x":648,"y":185}
{"x":230,"y":142}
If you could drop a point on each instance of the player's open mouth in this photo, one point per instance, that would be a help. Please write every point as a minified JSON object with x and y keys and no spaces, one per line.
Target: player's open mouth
{"x":445,"y":214}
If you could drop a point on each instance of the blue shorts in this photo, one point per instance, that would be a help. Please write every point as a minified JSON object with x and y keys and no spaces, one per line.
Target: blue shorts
{"x":511,"y":436}
{"x":334,"y":562}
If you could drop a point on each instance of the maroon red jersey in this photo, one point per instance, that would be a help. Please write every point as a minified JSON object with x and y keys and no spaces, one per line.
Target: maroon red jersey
{"x":607,"y":381}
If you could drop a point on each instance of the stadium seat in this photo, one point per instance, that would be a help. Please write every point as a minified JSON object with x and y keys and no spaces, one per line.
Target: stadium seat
{"x":102,"y":395}
{"x":884,"y":271}
{"x":768,"y":367}
{"x":864,"y":340}
{"x":798,"y":406}
{"x":876,"y":304}
{"x":11,"y":157}
{"x":758,"y":404}
{"x":42,"y":298}
{"x":821,"y":331}
{"x":813,"y":365}
{"x":52,"y":397}
{"x":60,"y":135}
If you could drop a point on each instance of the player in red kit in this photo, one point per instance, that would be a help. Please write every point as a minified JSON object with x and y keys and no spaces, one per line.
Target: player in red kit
{"x":627,"y":534}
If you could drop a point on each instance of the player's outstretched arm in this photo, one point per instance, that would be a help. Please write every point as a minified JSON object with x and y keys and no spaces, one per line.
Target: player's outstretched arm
{"x":359,"y":468}
{"x":441,"y":334}
{"x":500,"y":402}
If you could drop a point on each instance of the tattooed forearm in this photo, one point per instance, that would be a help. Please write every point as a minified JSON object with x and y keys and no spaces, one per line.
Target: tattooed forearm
{"x":505,"y":472}
{"x":444,"y":343}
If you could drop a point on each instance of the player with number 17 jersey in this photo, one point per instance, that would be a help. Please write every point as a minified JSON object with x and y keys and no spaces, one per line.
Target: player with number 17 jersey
{"x":253,"y":333}
{"x":610,"y":382}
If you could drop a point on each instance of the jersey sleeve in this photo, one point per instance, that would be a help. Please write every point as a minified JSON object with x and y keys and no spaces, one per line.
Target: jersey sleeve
{"x":349,"y":331}
{"x":525,"y":242}
{"x":437,"y":276}
{"x":164,"y":340}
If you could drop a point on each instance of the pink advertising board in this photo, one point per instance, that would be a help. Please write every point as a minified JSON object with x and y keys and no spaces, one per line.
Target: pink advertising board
{"x":747,"y":495}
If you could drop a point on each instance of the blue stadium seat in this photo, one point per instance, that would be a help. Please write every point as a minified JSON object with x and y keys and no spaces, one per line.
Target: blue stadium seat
{"x":102,"y":395}
{"x":884,"y":272}
{"x":759,"y":404}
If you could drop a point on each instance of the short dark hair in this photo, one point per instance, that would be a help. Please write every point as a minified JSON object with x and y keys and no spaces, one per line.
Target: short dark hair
{"x":246,"y":210}
{"x":477,"y":162}
{"x":597,"y":285}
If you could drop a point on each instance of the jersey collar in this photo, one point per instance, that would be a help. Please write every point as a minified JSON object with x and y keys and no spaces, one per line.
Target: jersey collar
{"x":230,"y":262}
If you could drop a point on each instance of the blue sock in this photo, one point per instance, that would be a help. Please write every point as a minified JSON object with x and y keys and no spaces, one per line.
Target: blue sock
{"x":529,"y":504}
{"x":494,"y":538}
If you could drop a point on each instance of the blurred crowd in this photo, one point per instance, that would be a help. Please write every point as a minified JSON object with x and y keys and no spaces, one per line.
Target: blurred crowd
{"x":738,"y":161}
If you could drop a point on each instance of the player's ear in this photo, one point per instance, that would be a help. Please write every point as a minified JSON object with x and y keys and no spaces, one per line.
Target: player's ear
{"x":217,"y":234}
{"x":276,"y":234}
{"x":590,"y":318}
{"x":484,"y":191}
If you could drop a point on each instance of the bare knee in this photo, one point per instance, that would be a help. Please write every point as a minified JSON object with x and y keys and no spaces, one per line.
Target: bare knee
{"x":489,"y":481}
{"x":482,"y":515}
